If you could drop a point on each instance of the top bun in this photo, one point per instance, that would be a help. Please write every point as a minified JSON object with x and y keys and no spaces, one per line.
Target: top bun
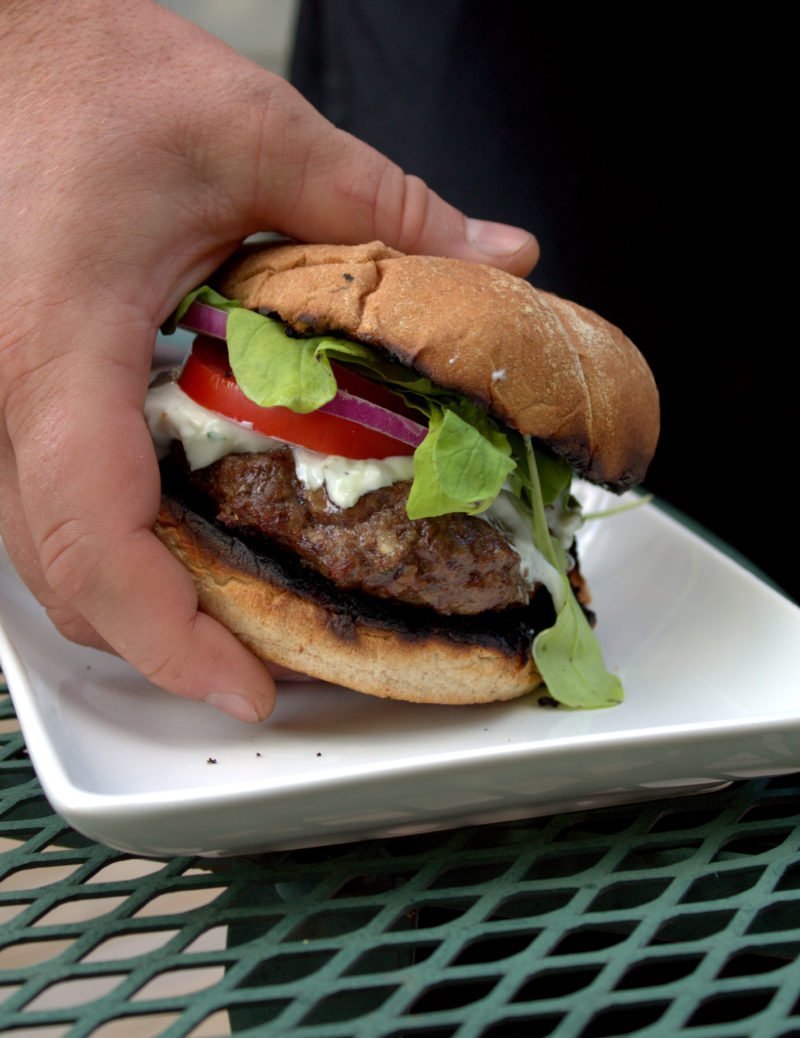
{"x":544,"y":366}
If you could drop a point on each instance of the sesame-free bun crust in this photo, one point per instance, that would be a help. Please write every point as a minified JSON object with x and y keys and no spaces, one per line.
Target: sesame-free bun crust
{"x":544,"y":366}
{"x":292,"y":618}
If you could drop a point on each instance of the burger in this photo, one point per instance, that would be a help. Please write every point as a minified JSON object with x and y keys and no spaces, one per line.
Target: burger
{"x":367,"y":463}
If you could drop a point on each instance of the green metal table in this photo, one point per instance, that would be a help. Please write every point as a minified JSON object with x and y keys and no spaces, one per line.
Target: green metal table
{"x":680,"y":916}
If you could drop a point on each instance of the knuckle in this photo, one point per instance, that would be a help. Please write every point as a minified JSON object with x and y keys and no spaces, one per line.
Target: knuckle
{"x":69,"y":557}
{"x":74,"y":627}
{"x":167,"y":669}
{"x":409,"y":199}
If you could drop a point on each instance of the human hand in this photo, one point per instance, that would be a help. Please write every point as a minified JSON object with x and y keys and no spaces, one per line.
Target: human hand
{"x":137,"y":152}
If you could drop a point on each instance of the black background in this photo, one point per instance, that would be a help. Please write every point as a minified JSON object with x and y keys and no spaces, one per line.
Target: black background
{"x":653,"y":155}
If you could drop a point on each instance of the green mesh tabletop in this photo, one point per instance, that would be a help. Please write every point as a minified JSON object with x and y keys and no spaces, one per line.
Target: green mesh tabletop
{"x":679,"y":916}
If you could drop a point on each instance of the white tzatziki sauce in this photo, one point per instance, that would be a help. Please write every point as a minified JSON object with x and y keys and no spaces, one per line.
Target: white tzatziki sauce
{"x":206,"y":436}
{"x":563,"y":522}
{"x":347,"y":479}
{"x":508,"y":516}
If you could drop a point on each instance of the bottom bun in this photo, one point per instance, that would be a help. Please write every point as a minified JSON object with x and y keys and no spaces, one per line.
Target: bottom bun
{"x":284,"y":612}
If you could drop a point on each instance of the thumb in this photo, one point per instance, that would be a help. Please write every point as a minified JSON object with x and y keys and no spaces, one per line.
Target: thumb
{"x":316,"y":183}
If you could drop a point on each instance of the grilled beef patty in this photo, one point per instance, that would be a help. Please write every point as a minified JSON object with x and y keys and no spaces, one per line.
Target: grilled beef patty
{"x":455,"y":564}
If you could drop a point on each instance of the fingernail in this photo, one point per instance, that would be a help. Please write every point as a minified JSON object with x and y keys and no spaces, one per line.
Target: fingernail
{"x":496,"y":239}
{"x":234,"y":705}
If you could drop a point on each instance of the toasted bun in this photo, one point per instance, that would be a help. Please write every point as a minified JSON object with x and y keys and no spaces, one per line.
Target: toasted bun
{"x":286,"y":614}
{"x":544,"y":366}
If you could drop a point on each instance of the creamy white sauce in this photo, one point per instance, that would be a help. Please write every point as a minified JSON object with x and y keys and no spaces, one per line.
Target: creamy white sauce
{"x":205,"y":435}
{"x":345,"y":479}
{"x":563,"y":523}
{"x":508,"y":515}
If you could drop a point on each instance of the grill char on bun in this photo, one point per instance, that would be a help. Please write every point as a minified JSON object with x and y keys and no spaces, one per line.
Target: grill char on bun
{"x":544,"y":367}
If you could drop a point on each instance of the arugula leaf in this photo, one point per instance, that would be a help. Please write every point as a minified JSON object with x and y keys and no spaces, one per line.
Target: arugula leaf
{"x":275,"y":370}
{"x":456,"y":468}
{"x":567,"y":654}
{"x":570,"y":661}
{"x":554,"y":474}
{"x":467,"y":456}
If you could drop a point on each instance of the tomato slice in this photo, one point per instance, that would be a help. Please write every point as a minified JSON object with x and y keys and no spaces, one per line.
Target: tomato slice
{"x":206,"y":377}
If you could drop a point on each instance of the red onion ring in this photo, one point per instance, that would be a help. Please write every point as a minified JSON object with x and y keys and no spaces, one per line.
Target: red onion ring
{"x":205,"y":320}
{"x":373,"y":416}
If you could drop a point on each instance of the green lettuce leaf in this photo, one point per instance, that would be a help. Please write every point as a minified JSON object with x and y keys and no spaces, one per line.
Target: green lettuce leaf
{"x":456,"y":468}
{"x":275,"y":370}
{"x":567,"y":655}
{"x":554,"y":474}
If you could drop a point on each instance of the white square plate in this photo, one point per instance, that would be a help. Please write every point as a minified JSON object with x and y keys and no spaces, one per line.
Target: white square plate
{"x":707,"y":653}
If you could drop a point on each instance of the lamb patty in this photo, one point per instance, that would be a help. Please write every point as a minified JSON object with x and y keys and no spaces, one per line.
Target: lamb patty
{"x":456,"y":564}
